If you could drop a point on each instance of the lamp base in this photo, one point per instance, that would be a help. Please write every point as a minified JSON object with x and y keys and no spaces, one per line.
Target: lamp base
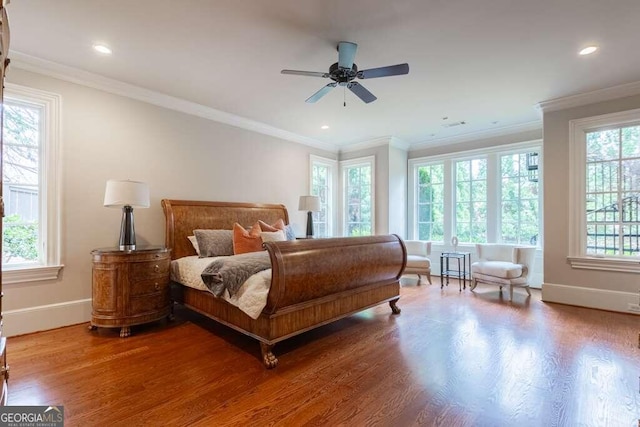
{"x":127,"y":230}
{"x":309,"y":225}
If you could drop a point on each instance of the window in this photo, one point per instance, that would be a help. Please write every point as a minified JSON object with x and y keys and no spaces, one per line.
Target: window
{"x":322,"y":185}
{"x":471,"y":200}
{"x":519,"y":204}
{"x":430,"y":202}
{"x":605,"y":185}
{"x":30,"y":226}
{"x":487,"y":195}
{"x":358,"y":212}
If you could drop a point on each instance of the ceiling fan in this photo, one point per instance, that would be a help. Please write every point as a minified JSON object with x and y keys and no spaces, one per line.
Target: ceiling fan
{"x":345,"y":71}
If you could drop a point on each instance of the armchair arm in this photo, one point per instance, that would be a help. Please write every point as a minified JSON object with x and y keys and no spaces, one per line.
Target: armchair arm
{"x":525,"y":256}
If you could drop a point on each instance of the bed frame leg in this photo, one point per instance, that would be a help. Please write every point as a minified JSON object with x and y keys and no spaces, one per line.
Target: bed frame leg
{"x":270,"y":361}
{"x":394,"y":308}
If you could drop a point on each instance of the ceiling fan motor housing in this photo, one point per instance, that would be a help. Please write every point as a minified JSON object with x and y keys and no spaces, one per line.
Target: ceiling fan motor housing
{"x":342,"y":75}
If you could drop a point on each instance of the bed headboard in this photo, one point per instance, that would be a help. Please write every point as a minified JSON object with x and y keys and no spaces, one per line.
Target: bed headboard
{"x":184,"y":216}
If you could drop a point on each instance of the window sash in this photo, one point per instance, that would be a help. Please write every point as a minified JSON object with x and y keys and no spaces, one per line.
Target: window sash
{"x":362,"y":208}
{"x":323,"y":220}
{"x":578,"y":256}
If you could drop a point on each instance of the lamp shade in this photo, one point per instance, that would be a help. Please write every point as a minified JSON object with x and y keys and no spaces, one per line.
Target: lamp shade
{"x":309,"y":203}
{"x":126,"y":193}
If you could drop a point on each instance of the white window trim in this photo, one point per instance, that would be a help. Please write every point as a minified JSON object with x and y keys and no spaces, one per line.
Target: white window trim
{"x":577,"y":187}
{"x":51,"y":174}
{"x":493,"y":201}
{"x":333,"y":167}
{"x":361,"y":161}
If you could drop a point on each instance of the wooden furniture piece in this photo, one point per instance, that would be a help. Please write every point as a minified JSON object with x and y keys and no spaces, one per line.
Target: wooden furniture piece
{"x":130,"y":287}
{"x":461,"y":272}
{"x":314,"y":281}
{"x":4,"y":63}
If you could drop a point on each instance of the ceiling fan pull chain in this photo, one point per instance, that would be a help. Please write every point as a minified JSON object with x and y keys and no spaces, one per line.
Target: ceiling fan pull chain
{"x":344,"y":96}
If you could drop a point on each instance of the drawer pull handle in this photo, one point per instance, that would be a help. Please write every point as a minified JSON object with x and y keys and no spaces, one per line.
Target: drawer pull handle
{"x":157,"y":255}
{"x":157,"y":286}
{"x":156,"y":268}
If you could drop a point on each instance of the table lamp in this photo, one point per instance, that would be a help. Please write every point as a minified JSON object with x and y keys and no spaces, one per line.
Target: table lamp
{"x":126,"y":194}
{"x":310,"y":204}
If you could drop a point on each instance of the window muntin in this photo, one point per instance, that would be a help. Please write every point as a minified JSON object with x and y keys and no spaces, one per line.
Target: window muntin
{"x":519,"y":205}
{"x":471,"y":200}
{"x":430,"y":202}
{"x":612,"y":191}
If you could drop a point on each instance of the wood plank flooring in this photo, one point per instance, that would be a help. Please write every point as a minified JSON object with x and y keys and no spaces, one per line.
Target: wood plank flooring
{"x":449,"y":359}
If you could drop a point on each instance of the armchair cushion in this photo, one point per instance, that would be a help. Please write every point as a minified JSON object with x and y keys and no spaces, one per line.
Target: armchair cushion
{"x":503,"y":269}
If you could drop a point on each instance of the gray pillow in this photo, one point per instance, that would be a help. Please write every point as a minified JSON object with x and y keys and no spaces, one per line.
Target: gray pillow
{"x":291,"y":235}
{"x":214,"y":242}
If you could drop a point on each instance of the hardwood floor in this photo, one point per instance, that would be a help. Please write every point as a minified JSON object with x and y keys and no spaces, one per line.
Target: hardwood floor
{"x":450,"y":358}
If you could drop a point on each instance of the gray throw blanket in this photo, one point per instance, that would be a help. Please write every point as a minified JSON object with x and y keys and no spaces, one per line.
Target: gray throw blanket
{"x":232,"y":271}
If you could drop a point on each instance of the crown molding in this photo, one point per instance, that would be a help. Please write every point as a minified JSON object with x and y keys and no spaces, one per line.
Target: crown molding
{"x":600,"y":95}
{"x":490,"y":133}
{"x":96,"y":81}
{"x":390,"y":141}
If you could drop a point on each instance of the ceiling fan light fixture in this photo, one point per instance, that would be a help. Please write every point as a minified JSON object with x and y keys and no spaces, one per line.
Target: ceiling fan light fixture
{"x":588,"y":50}
{"x":324,"y":127}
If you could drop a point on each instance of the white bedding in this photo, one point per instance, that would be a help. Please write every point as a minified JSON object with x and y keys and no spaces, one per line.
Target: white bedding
{"x":251,"y":297}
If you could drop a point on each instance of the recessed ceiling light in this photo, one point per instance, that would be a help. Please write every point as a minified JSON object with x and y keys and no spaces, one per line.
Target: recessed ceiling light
{"x":588,"y":50}
{"x":103,"y":49}
{"x":324,"y":127}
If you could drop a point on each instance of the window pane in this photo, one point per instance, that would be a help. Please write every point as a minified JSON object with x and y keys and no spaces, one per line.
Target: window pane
{"x":359,"y":212}
{"x":21,"y":177}
{"x":430,"y":202}
{"x":519,"y":198}
{"x":321,"y":186}
{"x":471,"y":197}
{"x":612,"y":191}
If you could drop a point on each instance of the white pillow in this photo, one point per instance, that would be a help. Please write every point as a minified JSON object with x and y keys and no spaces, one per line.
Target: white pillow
{"x":194,"y":242}
{"x":273,"y":236}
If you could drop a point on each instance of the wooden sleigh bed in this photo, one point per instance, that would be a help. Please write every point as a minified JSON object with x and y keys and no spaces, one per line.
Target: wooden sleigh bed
{"x":314,"y":281}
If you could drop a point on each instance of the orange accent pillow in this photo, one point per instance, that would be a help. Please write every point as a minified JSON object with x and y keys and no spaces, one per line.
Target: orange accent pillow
{"x":245,"y":241}
{"x":278,"y":225}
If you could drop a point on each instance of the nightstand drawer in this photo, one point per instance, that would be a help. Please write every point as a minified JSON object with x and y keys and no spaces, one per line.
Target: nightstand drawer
{"x":158,"y":284}
{"x":150,"y":302}
{"x":145,"y":270}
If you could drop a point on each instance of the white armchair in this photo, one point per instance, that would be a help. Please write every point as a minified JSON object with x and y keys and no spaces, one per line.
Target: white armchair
{"x":503,"y":265}
{"x":418,"y":261}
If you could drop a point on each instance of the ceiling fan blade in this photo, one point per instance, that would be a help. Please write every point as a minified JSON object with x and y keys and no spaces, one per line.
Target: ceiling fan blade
{"x":346,"y":54}
{"x":391,"y":70}
{"x":361,"y":92}
{"x":322,"y":92}
{"x":305,"y":73}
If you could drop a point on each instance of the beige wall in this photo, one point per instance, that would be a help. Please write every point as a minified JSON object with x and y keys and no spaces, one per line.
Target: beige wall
{"x":556,"y":203}
{"x":181,"y":156}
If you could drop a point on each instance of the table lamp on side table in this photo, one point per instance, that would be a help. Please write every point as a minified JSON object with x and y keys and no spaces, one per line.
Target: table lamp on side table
{"x":310,"y":204}
{"x":128,"y":194}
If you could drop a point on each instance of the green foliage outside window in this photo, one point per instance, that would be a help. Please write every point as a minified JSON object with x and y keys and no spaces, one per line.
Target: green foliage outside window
{"x":19,"y":239}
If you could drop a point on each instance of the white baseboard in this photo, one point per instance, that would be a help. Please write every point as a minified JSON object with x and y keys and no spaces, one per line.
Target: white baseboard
{"x":601,"y":299}
{"x":41,"y":318}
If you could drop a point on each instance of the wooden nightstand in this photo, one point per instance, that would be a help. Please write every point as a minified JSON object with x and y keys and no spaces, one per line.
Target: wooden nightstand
{"x":130,"y":287}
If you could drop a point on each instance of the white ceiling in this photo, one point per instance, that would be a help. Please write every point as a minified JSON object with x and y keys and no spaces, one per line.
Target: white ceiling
{"x":477,"y":61}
